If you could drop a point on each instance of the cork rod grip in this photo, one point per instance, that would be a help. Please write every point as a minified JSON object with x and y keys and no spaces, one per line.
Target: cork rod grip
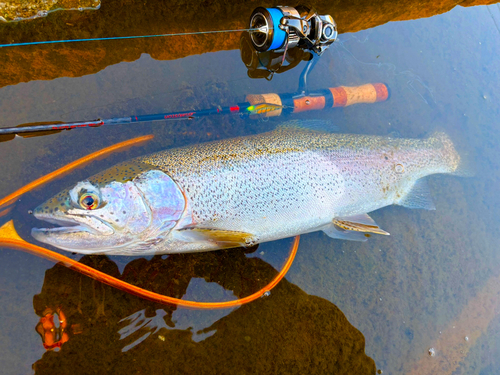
{"x":341,"y":96}
{"x":369,"y":93}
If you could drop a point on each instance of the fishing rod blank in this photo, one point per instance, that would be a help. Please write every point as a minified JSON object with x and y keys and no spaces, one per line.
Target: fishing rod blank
{"x":187,"y":115}
{"x":266,"y":105}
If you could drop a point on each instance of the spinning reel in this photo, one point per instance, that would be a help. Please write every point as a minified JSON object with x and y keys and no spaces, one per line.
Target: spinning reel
{"x":266,"y":64}
{"x":282,"y":28}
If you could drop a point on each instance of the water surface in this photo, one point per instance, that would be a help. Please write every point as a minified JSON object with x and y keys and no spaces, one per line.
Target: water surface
{"x":345,"y":307}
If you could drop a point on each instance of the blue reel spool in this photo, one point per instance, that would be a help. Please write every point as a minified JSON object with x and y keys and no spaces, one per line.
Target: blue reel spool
{"x":271,"y":37}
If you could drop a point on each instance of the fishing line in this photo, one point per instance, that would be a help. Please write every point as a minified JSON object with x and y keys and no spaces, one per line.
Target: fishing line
{"x":123,"y":37}
{"x":271,"y":29}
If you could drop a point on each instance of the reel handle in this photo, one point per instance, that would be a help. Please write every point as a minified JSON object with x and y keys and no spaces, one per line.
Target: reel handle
{"x":341,"y":96}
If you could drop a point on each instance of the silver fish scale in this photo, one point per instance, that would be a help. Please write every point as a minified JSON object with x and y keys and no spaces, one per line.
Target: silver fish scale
{"x":277,"y":189}
{"x":291,"y":181}
{"x":264,"y":194}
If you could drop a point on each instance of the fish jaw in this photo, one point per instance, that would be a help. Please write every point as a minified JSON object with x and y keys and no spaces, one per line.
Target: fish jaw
{"x":73,"y":221}
{"x":78,"y":238}
{"x":75,"y":231}
{"x":131,"y":218}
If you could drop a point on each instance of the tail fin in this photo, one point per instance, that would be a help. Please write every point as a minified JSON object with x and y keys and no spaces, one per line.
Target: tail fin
{"x":459,"y":163}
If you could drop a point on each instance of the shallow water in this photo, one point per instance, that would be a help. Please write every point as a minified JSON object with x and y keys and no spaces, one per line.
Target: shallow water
{"x":345,"y":307}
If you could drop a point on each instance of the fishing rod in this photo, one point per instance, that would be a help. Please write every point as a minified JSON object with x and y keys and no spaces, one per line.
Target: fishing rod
{"x":267,"y":105}
{"x":272,"y":30}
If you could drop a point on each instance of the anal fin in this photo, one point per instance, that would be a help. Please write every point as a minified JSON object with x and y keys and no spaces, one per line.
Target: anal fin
{"x":223,"y":238}
{"x":359,"y":223}
{"x":333,"y":231}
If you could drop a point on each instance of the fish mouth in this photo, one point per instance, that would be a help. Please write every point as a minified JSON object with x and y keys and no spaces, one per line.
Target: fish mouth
{"x":72,"y":223}
{"x":73,"y":233}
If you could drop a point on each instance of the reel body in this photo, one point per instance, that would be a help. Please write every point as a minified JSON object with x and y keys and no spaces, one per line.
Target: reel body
{"x":265,"y":64}
{"x":281,"y":28}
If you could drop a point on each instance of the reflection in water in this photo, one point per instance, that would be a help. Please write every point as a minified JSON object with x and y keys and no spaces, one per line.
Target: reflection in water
{"x":125,"y":18}
{"x":18,"y":10}
{"x":400,"y":292}
{"x":53,"y":334}
{"x":287,"y":332}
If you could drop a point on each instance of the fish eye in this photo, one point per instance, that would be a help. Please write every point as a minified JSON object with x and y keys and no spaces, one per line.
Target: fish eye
{"x":89,"y":201}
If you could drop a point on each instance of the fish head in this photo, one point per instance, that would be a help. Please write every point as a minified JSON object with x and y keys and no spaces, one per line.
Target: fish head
{"x":109,"y":215}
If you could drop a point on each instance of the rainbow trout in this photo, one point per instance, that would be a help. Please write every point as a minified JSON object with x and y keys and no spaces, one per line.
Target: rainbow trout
{"x":244,"y":191}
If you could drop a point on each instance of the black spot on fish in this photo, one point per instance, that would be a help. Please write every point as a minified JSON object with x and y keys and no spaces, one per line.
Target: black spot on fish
{"x":124,"y":212}
{"x":368,"y":235}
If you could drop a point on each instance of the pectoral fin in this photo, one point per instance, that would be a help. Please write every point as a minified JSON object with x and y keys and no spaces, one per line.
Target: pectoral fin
{"x":223,"y":238}
{"x":359,"y":223}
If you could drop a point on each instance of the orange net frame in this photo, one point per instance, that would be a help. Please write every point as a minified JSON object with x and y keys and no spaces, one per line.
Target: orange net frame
{"x":10,"y":238}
